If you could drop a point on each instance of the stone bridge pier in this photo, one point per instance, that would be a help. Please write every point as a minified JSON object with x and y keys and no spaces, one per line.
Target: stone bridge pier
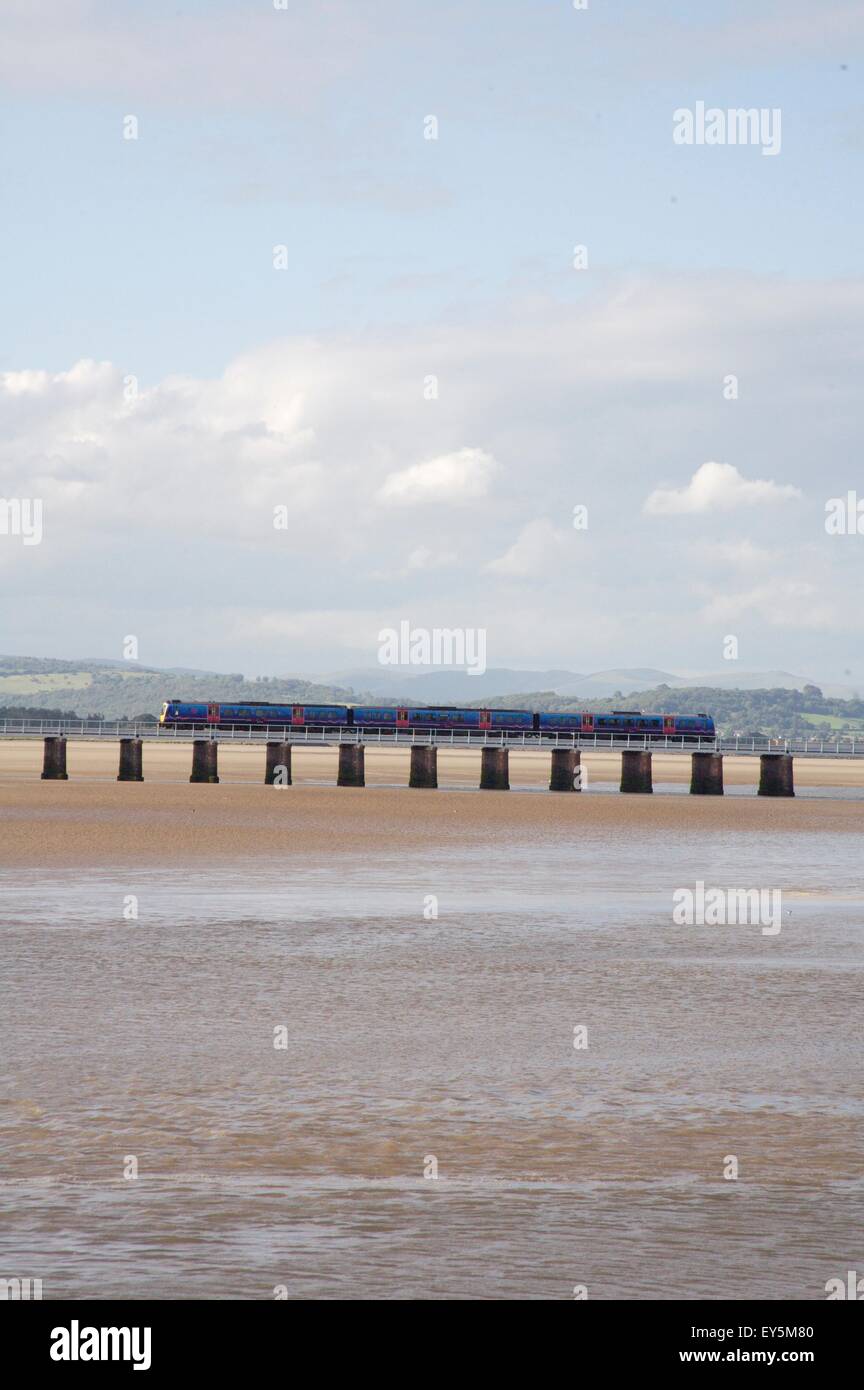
{"x":424,"y":766}
{"x":54,"y":761}
{"x":706,"y":775}
{"x":205,"y":760}
{"x":494,"y":770}
{"x":566,"y":770}
{"x":277,"y":771}
{"x":352,"y":765}
{"x":636,"y":771}
{"x":131,"y":760}
{"x":775,"y":774}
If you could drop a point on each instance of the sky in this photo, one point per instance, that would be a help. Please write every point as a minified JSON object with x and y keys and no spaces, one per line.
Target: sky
{"x":317,"y":350}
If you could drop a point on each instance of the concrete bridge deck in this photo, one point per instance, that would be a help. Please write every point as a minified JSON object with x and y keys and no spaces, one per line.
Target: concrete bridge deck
{"x":78,"y":729}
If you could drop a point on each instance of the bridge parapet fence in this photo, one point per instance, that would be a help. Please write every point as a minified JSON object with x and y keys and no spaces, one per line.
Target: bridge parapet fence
{"x":442,"y":738}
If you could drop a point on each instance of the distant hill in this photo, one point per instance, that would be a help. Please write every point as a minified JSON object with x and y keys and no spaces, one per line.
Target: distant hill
{"x":125,"y":690}
{"x":768,"y":680}
{"x":458,"y":687}
{"x":603,"y":683}
{"x":406,"y":683}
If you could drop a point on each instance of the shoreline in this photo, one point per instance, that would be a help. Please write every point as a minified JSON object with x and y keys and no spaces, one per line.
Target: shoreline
{"x":94,"y":823}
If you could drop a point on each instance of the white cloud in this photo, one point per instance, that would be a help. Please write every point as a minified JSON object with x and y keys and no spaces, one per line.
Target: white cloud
{"x":455,"y":478}
{"x":350,"y":628}
{"x":539,"y":549}
{"x":159,"y":511}
{"x":241,"y":57}
{"x":716,"y":487}
{"x":422,"y":558}
{"x":229,"y":54}
{"x":742,"y":555}
{"x":780,"y":603}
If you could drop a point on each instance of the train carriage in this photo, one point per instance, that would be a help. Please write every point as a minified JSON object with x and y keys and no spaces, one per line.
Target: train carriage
{"x":627,"y":724}
{"x":519,"y":720}
{"x":379,"y":716}
{"x":262,"y":715}
{"x":601,"y":726}
{"x":449,"y":717}
{"x":444,"y":717}
{"x":559,"y":722}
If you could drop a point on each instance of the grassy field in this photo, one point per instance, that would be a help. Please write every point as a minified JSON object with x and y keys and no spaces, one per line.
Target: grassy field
{"x":24,"y":684}
{"x":835,"y":722}
{"x":44,"y":682}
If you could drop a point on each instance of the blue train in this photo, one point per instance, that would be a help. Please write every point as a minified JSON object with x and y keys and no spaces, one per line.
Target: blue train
{"x":619,"y":723}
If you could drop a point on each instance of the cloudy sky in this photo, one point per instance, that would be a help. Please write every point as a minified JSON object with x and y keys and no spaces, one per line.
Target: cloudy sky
{"x":284,"y":300}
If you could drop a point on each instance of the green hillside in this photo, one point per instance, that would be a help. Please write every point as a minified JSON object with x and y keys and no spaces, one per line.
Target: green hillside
{"x":797,"y":713}
{"x":124,"y":693}
{"x":86,"y":690}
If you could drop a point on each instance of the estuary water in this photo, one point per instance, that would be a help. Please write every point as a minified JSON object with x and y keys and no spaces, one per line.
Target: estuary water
{"x":469,"y":1070}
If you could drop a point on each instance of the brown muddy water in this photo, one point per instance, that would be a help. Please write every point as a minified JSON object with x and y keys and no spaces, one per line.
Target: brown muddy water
{"x":307,"y":917}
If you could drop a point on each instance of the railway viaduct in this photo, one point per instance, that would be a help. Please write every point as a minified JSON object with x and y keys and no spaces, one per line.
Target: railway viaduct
{"x":775,"y":756}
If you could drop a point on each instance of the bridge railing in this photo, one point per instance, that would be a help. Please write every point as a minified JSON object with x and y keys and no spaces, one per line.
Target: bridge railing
{"x":456,"y":738}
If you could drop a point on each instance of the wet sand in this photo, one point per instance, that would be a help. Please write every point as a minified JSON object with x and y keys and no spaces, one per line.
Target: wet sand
{"x":83,"y":822}
{"x":411,"y":1033}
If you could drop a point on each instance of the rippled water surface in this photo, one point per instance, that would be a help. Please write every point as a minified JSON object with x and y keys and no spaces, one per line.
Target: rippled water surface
{"x":408,"y":1041}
